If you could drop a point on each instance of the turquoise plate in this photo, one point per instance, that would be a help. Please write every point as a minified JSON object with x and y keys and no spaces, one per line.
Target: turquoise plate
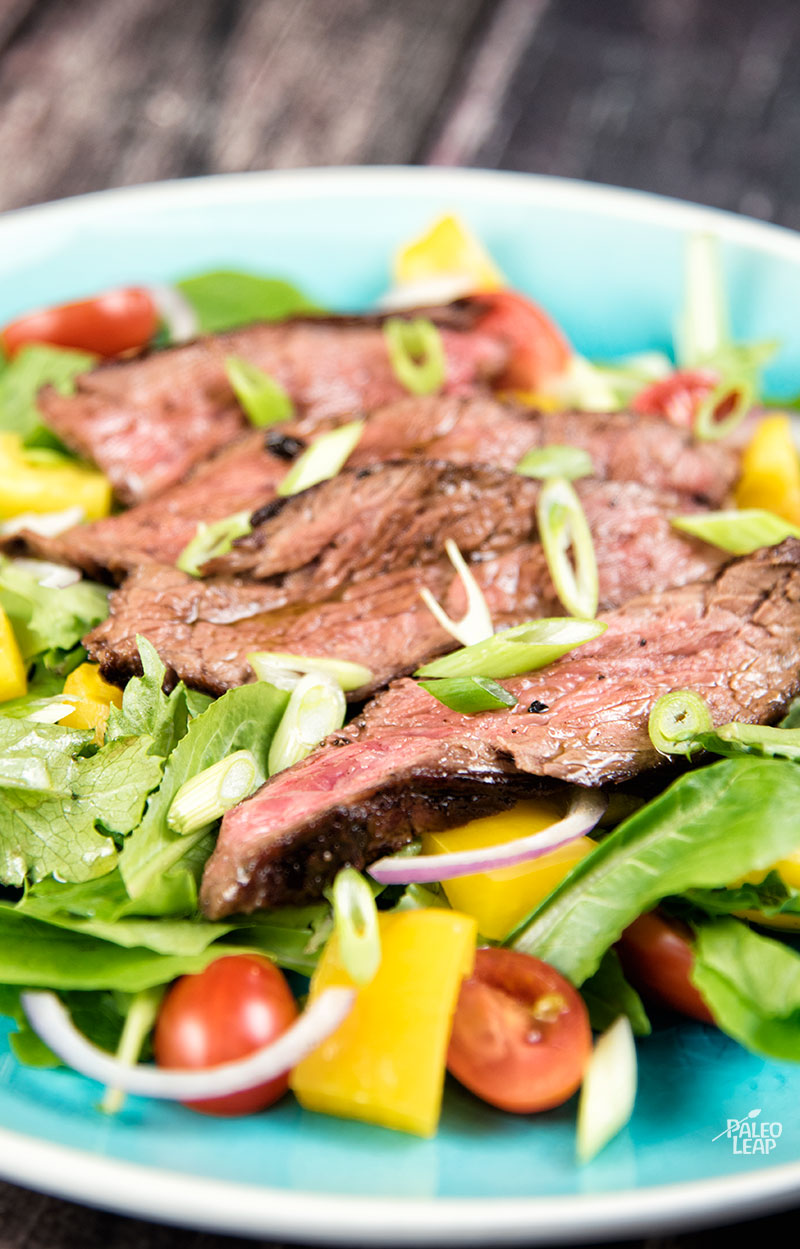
{"x":608,"y":265}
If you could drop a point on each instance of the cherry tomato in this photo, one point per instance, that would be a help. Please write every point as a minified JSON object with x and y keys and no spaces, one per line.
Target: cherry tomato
{"x":521,"y":1037}
{"x":676,"y":397}
{"x":656,"y":956}
{"x":239,"y":1004}
{"x":107,"y":325}
{"x":539,"y":350}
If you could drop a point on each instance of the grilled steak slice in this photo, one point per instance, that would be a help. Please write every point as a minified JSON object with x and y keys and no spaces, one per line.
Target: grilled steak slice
{"x":409,"y":764}
{"x":623,"y":446}
{"x":204,"y":630}
{"x":148,"y":420}
{"x":236,"y":480}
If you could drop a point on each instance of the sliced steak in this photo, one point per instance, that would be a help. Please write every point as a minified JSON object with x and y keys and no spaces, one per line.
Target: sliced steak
{"x":204,"y":630}
{"x":147,"y":421}
{"x":409,"y":764}
{"x":623,"y":446}
{"x":236,"y":480}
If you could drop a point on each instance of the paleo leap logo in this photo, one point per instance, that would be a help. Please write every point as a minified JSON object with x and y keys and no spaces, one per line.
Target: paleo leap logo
{"x":748,"y":1137}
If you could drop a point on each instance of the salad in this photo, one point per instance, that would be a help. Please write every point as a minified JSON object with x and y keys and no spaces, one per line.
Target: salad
{"x":392,"y":696}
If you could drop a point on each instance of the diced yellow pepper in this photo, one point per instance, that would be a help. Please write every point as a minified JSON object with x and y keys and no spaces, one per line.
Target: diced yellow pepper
{"x":533,"y":399}
{"x":30,"y":482}
{"x":447,"y":248}
{"x":771,"y":470}
{"x":94,"y":698}
{"x":13,"y":675}
{"x":499,"y":900}
{"x":386,"y":1063}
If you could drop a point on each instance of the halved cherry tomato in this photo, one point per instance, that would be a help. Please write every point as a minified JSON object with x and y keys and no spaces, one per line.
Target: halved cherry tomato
{"x":521,"y":1037}
{"x":106,"y":325}
{"x":539,"y":350}
{"x":676,"y":397}
{"x":656,"y":956}
{"x":239,"y":1004}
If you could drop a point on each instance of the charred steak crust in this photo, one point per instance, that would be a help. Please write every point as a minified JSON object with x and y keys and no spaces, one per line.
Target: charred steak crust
{"x":734,"y":640}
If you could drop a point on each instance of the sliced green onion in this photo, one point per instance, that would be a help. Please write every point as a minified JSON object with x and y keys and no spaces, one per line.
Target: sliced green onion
{"x":416,"y":354}
{"x":734,"y":397}
{"x":139,"y":1021}
{"x":263,"y":399}
{"x":739,"y":531}
{"x":597,"y":386}
{"x":316,"y":708}
{"x":476,"y":624}
{"x":556,"y":461}
{"x":702,"y":329}
{"x":470,"y":694}
{"x":355,"y":920}
{"x":523,"y":648}
{"x":563,"y":527}
{"x":753,"y":739}
{"x":207,"y":796}
{"x":212,"y":541}
{"x":349,"y":676}
{"x":608,"y":1094}
{"x":323,"y":459}
{"x":676,"y":720}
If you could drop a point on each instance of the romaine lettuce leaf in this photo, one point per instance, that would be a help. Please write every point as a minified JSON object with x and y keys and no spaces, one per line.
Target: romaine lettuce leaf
{"x":146,"y":709}
{"x":22,"y":378}
{"x":45,"y":619}
{"x":710,"y":827}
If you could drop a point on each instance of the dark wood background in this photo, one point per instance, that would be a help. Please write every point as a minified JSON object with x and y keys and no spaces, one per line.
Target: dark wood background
{"x":693,"y":98}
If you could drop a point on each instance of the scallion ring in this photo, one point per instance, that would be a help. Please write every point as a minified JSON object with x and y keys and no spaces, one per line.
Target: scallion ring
{"x":522,"y":648}
{"x":469,"y":694}
{"x":555,"y":460}
{"x":267,"y":665}
{"x":416,"y":354}
{"x":676,"y":720}
{"x":723,"y":409}
{"x":212,"y":541}
{"x":207,"y":796}
{"x":476,"y":623}
{"x":563,"y":529}
{"x":316,"y":708}
{"x":323,"y":459}
{"x":263,"y":400}
{"x":355,"y":919}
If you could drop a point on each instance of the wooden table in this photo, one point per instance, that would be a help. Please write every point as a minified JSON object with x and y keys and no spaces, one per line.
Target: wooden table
{"x":693,"y":98}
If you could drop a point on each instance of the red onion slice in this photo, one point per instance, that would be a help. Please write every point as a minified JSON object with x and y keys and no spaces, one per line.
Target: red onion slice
{"x":52,"y":1023}
{"x":586,"y":808}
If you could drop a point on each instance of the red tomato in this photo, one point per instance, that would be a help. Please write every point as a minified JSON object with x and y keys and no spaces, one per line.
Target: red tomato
{"x":676,"y":397}
{"x":656,"y":956}
{"x":239,"y":1004}
{"x":107,"y":325}
{"x":521,"y":1037}
{"x":539,"y":349}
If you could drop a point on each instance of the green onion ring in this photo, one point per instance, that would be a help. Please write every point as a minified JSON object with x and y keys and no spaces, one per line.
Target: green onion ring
{"x":676,"y":720}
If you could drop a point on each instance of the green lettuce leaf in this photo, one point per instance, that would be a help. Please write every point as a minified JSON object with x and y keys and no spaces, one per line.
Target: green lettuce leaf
{"x":710,"y":827}
{"x":23,"y":377}
{"x":113,"y":784}
{"x":751,"y":984}
{"x":225,"y":299}
{"x":771,"y":896}
{"x":44,"y":618}
{"x":608,"y":995}
{"x":146,"y":709}
{"x":244,"y":718}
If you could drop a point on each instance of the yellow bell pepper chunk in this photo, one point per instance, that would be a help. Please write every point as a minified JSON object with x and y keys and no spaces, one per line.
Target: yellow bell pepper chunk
{"x":32,"y":482}
{"x":386,"y":1063}
{"x":501,"y":899}
{"x":771,"y":470}
{"x":533,"y":399}
{"x":447,"y":248}
{"x":13,"y":674}
{"x":93,"y":699}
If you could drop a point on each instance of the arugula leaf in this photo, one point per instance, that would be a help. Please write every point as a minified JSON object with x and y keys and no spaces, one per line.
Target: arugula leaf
{"x":245,"y":717}
{"x":751,"y":984}
{"x":44,"y":618}
{"x":23,"y":377}
{"x":225,"y":298}
{"x":608,"y":995}
{"x":146,"y":709}
{"x":710,"y":827}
